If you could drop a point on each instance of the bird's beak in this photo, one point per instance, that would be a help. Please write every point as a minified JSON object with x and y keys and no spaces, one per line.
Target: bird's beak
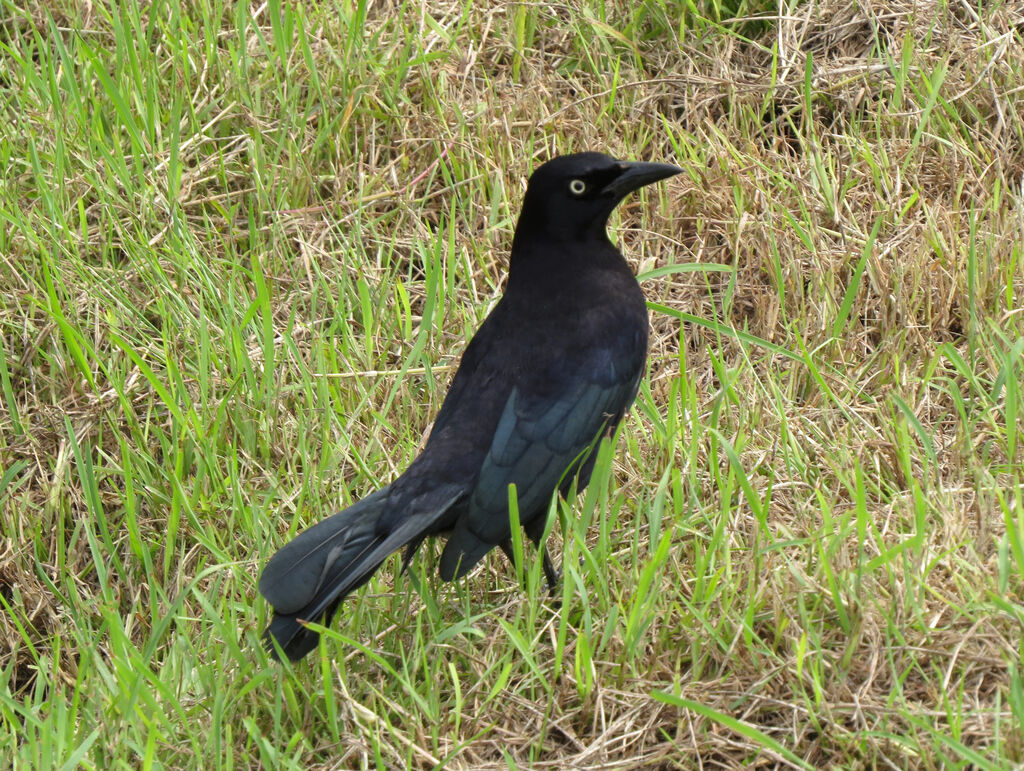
{"x":636,"y":174}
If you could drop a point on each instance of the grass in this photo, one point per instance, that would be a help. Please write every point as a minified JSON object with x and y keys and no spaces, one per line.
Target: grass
{"x":243,"y":246}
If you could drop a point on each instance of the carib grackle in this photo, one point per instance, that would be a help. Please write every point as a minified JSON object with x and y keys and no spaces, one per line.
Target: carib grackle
{"x":551,"y":370}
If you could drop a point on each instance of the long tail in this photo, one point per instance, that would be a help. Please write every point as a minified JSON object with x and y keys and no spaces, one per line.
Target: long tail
{"x":310,"y":575}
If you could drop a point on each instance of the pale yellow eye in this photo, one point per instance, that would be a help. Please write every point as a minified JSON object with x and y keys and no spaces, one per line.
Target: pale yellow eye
{"x":577,"y":186}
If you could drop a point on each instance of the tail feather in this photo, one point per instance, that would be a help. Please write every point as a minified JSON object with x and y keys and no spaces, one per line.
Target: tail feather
{"x":309,"y":576}
{"x":324,"y":554}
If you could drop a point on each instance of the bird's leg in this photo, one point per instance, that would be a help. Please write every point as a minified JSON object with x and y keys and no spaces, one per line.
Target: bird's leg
{"x":553,"y":576}
{"x":535,"y":530}
{"x":506,"y":546}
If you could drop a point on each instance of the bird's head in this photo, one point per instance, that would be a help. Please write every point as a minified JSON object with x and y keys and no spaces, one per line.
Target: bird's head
{"x":573,"y":195}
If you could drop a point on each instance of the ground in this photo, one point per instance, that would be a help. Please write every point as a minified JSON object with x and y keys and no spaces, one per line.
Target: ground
{"x":243,"y":246}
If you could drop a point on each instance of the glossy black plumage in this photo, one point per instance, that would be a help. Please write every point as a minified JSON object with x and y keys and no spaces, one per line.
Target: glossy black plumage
{"x":553,"y":368}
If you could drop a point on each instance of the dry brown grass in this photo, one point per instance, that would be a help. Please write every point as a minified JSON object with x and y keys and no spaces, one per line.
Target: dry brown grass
{"x":844,"y":584}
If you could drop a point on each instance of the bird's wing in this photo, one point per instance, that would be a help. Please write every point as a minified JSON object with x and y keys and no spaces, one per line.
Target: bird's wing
{"x":540,"y":436}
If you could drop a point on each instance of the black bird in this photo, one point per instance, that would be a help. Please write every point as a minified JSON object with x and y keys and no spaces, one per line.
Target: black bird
{"x":551,"y":370}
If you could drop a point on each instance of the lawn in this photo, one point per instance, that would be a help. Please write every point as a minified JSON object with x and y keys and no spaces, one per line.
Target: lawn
{"x":242,"y":247}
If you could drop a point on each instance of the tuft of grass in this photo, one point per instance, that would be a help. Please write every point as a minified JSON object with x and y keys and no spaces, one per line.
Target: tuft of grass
{"x":243,"y":246}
